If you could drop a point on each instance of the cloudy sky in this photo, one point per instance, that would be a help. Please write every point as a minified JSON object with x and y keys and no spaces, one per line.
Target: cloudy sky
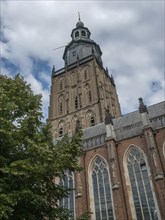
{"x":130,"y":34}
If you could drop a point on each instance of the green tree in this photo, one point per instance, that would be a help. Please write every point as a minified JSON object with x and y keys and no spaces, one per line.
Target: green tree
{"x":29,"y":160}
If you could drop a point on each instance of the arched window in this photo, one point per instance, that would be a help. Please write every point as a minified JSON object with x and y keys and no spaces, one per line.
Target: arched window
{"x":74,"y":122}
{"x":68,"y":183}
{"x":92,"y":120}
{"x":60,"y":132}
{"x":143,"y":198}
{"x":61,"y":98}
{"x":90,"y":117}
{"x":88,"y":94}
{"x":83,"y":33}
{"x":102,"y":192}
{"x":61,"y":129}
{"x":76,"y":34}
{"x":73,"y":78}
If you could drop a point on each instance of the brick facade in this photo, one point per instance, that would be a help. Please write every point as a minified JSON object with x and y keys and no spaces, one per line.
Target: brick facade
{"x":83,"y":90}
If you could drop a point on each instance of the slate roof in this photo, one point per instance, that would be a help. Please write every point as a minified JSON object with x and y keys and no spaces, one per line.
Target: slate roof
{"x":129,"y":125}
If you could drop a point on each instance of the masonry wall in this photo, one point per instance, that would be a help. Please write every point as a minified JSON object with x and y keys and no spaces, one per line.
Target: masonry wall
{"x":123,"y":205}
{"x":94,"y":90}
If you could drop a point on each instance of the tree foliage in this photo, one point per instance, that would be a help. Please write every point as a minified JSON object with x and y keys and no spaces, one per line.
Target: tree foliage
{"x":29,"y":160}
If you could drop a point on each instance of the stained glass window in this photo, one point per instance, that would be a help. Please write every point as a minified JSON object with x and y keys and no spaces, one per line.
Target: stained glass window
{"x":68,"y":202}
{"x":141,"y":186}
{"x":102,"y":191}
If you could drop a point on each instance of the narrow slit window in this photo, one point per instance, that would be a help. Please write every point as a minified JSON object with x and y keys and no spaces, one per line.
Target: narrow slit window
{"x":60,"y":132}
{"x":76,"y":103}
{"x":92,"y":120}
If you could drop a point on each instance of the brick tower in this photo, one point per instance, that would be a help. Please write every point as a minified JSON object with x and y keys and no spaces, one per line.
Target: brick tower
{"x":83,"y":88}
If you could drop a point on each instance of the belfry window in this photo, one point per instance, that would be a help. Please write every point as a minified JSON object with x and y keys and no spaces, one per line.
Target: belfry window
{"x":77,"y":34}
{"x":83,"y":33}
{"x":102,"y":190}
{"x":68,"y":202}
{"x":141,"y":186}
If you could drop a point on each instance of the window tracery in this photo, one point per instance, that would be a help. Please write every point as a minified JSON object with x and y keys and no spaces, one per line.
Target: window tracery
{"x":102,"y":191}
{"x":68,"y":202}
{"x":142,"y":193}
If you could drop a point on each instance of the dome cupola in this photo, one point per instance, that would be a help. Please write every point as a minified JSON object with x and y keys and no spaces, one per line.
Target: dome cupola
{"x":81,"y":45}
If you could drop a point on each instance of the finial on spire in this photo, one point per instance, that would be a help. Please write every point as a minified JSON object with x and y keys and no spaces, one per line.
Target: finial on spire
{"x":79,"y":16}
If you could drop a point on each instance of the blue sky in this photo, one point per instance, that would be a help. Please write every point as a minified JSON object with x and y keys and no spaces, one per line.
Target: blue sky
{"x":130,"y":34}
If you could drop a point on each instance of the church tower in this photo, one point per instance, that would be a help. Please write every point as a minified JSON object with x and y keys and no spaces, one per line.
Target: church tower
{"x":83,"y":88}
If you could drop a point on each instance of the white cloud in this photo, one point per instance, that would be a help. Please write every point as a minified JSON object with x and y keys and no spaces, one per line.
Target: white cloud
{"x":130,"y":34}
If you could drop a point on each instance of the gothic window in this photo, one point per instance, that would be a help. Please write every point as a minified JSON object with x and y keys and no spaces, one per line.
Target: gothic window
{"x":89,"y":97}
{"x":92,"y":120}
{"x":60,"y":108}
{"x":142,"y":192}
{"x":68,"y":183}
{"x":73,"y":78}
{"x":61,"y":84}
{"x":74,"y":122}
{"x":83,"y":33}
{"x":61,"y":104}
{"x":60,"y":132}
{"x":60,"y":129}
{"x":76,"y":34}
{"x":76,"y":102}
{"x":67,"y":105}
{"x":102,"y":191}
